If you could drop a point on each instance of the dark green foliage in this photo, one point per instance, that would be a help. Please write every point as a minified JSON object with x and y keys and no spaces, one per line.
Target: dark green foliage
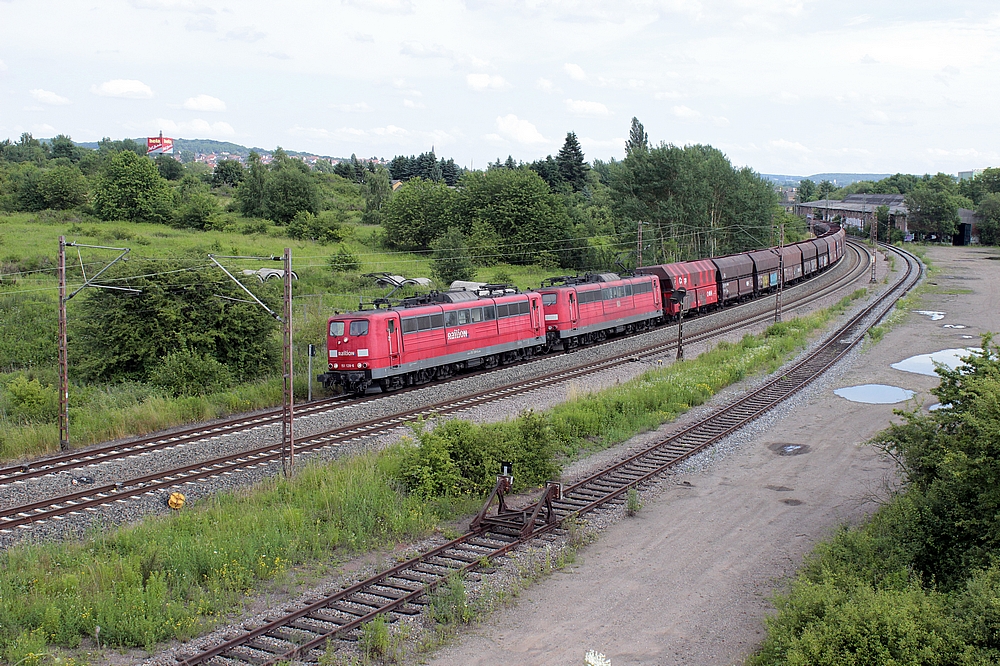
{"x":417,"y":213}
{"x":63,"y":146}
{"x":548,"y":170}
{"x":426,"y":166}
{"x":196,"y":210}
{"x":807,"y":191}
{"x":377,"y":189}
{"x":58,"y":187}
{"x":288,"y":192}
{"x":28,"y":400}
{"x":572,"y":167}
{"x":981,"y":185}
{"x":519,"y":206}
{"x":228,"y":172}
{"x":638,"y":140}
{"x":459,"y":458}
{"x":988,"y":211}
{"x":353,"y":169}
{"x":185,"y":372}
{"x":130,"y":188}
{"x":692,"y":203}
{"x":451,"y":258}
{"x":168,"y":167}
{"x":107,"y":146}
{"x":250,"y":194}
{"x":121,"y":335}
{"x":27,"y":149}
{"x":933,"y":205}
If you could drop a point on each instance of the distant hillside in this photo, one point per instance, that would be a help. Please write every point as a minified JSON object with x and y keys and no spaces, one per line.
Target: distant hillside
{"x":838,"y":179}
{"x":212,"y":146}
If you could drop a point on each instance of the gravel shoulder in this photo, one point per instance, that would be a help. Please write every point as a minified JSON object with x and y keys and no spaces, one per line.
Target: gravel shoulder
{"x":687,"y":581}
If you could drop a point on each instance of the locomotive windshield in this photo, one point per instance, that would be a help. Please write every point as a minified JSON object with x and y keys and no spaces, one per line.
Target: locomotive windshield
{"x":549,"y":299}
{"x":336,"y":328}
{"x":359,"y":327}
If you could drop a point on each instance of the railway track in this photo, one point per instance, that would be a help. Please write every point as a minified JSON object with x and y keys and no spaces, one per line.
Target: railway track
{"x":161,"y":482}
{"x":165,"y":441}
{"x":303,"y":633}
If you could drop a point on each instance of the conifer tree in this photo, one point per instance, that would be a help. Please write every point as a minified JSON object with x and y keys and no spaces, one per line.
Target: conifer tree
{"x":638,"y":140}
{"x":572,"y":166}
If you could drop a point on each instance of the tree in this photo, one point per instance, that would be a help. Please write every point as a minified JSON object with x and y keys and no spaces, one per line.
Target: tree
{"x":124,"y":335}
{"x":638,"y":140}
{"x":988,"y":212}
{"x":250,"y":193}
{"x":418,"y":212}
{"x":933,"y":205}
{"x":807,"y":190}
{"x":825,"y":188}
{"x":519,"y":206}
{"x":572,"y":166}
{"x":107,"y":146}
{"x":451,"y":258}
{"x":63,"y":146}
{"x":228,"y":172}
{"x":288,"y":192}
{"x":548,"y":170}
{"x":130,"y":188}
{"x":169,"y":168}
{"x":377,"y":189}
{"x":62,"y":187}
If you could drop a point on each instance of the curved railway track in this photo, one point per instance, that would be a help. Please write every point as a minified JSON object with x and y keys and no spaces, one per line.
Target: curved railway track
{"x":164,"y":441}
{"x":23,"y":516}
{"x":302,"y":633}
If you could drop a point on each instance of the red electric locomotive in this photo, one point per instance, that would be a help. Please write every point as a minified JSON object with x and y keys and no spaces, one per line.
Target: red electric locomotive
{"x":432,"y":337}
{"x":587,"y":309}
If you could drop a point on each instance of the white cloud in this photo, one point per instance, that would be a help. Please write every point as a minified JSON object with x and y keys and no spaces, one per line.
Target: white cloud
{"x":43,"y":128}
{"x":126,"y":88}
{"x":363,"y":37}
{"x":383,"y":5}
{"x":791,"y":146}
{"x":389,"y":130}
{"x":867,"y":59}
{"x":47,"y":97}
{"x":720,"y":121}
{"x":200,"y":24}
{"x":685,"y":112}
{"x":173,"y":5}
{"x":575,"y":71}
{"x":861,"y":18}
{"x":3,"y":66}
{"x":195,"y":129}
{"x":669,"y":94}
{"x":579,"y":107}
{"x":522,"y":131}
{"x":246,"y":34}
{"x":358,"y":107}
{"x":418,"y":50}
{"x":204,"y":103}
{"x":544,"y":85}
{"x":410,"y":104}
{"x":486,"y":82}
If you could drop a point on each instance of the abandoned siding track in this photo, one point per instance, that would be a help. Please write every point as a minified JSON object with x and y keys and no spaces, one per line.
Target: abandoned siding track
{"x":303,"y":633}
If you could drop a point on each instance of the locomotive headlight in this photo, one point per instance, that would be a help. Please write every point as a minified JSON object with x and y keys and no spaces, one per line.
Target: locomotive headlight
{"x":335,"y":366}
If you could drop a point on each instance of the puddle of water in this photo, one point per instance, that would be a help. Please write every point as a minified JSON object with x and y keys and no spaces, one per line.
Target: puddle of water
{"x":968,"y":337}
{"x":937,"y":405}
{"x":791,"y":502}
{"x":923,"y":364}
{"x":932,"y":314}
{"x":783,"y":449}
{"x":875,"y":394}
{"x":954,"y":326}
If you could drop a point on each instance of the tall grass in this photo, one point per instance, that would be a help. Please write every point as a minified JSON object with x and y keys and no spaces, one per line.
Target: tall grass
{"x":175,"y":576}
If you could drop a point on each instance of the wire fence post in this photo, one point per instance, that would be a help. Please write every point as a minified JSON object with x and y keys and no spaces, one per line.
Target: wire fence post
{"x":287,"y":433}
{"x":63,"y":352}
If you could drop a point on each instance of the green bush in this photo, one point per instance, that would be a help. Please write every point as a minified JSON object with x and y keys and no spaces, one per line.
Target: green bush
{"x":186,"y":372}
{"x":29,"y":401}
{"x":344,"y":261}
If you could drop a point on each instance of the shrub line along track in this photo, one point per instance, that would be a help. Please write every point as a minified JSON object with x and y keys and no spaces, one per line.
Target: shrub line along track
{"x":23,"y":516}
{"x":164,"y":441}
{"x":301,"y":632}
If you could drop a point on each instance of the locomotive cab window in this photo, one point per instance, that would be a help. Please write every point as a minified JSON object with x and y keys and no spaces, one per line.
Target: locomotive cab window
{"x":463,"y":317}
{"x":336,"y":328}
{"x":477,"y":315}
{"x":451,"y":318}
{"x":359,"y":327}
{"x":489,"y":313}
{"x":549,"y":299}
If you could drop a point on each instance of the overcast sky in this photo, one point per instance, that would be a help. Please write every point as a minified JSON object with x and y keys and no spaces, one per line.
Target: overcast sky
{"x":783,"y":86}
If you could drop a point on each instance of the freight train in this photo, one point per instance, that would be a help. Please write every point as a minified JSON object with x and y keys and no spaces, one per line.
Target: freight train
{"x":440,"y":334}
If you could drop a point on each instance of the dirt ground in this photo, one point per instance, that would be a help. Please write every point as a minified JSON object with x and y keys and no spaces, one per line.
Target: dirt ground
{"x":688,"y":580}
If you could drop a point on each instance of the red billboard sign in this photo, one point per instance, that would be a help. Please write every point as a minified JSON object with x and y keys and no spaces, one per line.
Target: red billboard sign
{"x":159,"y":145}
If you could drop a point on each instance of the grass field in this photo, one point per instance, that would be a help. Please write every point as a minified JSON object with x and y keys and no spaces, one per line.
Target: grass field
{"x":29,"y":304}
